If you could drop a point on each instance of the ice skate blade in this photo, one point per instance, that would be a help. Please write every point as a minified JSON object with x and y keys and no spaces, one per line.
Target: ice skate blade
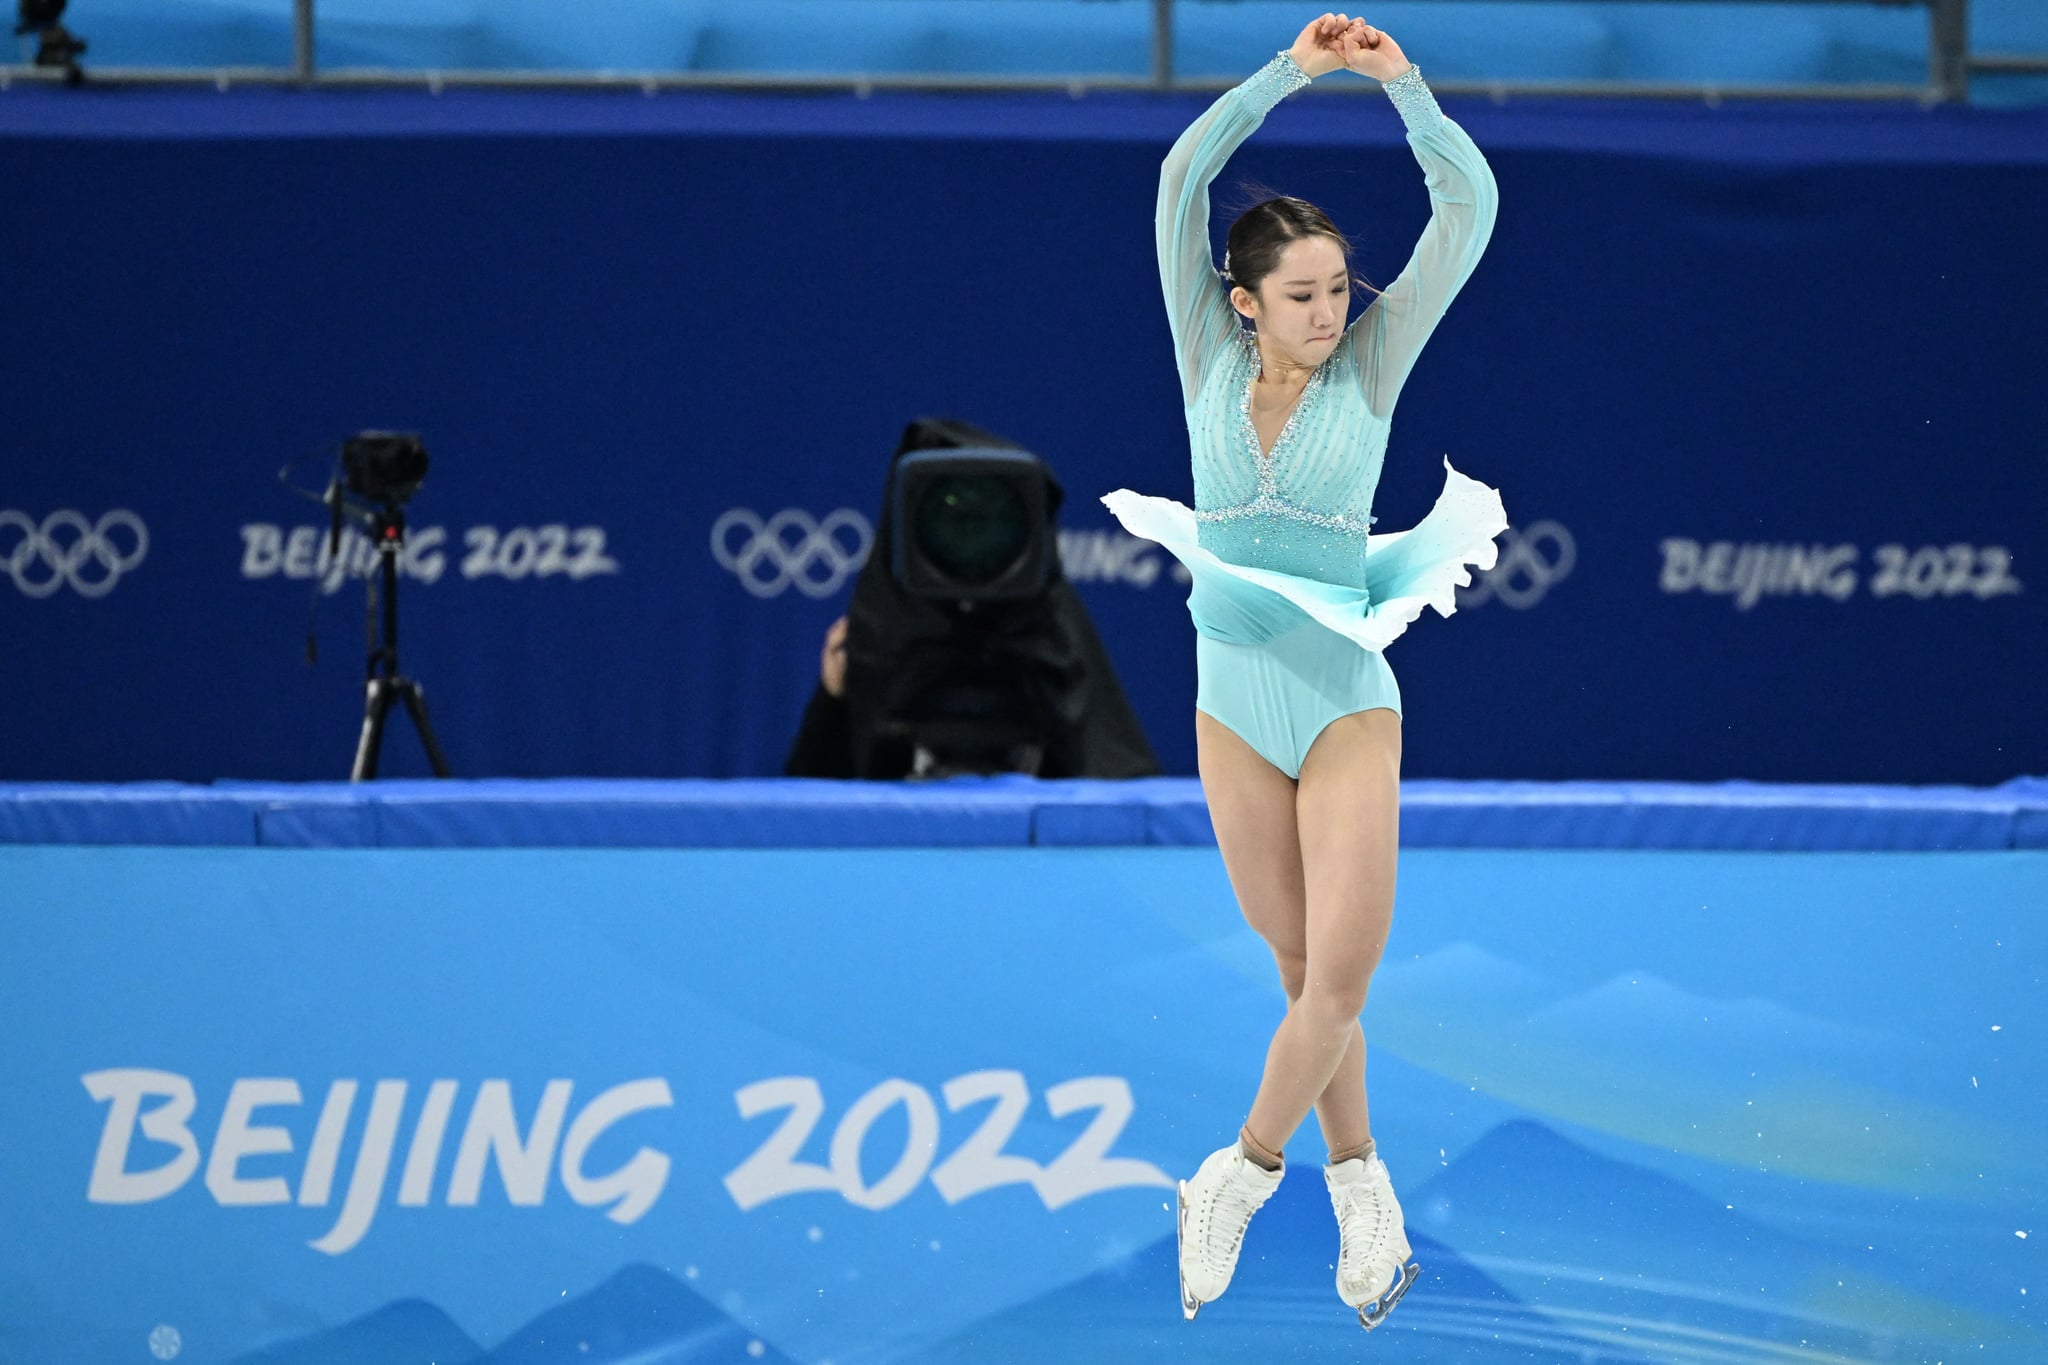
{"x":1189,"y":1305}
{"x":1371,"y":1315}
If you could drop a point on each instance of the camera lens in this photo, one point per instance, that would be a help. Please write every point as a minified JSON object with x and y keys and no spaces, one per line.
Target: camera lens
{"x":973,"y":527}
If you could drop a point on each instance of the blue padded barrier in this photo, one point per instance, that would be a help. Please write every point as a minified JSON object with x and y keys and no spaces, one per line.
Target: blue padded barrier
{"x":288,"y":823}
{"x":132,"y":813}
{"x":1733,"y":815}
{"x":1001,"y":812}
{"x":702,"y":814}
{"x":624,"y":813}
{"x":2030,"y":814}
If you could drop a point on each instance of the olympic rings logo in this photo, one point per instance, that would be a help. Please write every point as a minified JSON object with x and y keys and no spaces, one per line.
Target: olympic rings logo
{"x":1531,"y":562}
{"x":791,"y":549}
{"x":68,"y":549}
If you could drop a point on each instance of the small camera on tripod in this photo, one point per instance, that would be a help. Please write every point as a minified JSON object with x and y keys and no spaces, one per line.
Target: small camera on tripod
{"x":379,"y":471}
{"x":383,"y":467}
{"x":375,"y":474}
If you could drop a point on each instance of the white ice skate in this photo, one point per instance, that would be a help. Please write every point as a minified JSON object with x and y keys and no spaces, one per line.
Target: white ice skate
{"x":1216,"y":1205}
{"x":1373,"y":1267}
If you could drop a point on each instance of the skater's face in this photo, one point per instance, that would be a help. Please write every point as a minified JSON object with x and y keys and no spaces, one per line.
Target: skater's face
{"x":1300,"y":308}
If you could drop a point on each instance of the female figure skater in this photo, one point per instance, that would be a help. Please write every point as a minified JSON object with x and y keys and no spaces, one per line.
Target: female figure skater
{"x":1297,"y":720}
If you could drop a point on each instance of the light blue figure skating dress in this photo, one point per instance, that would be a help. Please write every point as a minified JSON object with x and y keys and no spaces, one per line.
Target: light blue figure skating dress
{"x":1292,"y":600}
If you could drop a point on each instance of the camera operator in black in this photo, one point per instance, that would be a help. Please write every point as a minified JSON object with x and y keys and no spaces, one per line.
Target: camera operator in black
{"x":894,"y":649}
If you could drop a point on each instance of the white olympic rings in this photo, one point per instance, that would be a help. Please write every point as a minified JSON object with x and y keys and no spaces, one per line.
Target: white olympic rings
{"x":836,"y":547}
{"x":1525,"y":571}
{"x":41,"y":561}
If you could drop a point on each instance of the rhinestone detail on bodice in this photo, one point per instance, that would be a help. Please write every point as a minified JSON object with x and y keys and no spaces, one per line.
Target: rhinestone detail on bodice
{"x":1268,"y":501}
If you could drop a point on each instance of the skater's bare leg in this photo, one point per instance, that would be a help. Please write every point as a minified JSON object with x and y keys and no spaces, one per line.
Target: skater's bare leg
{"x":1347,"y":816}
{"x":1341,"y":1108}
{"x":1253,"y":806}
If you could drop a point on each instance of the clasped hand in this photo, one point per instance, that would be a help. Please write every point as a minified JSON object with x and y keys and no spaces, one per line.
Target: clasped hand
{"x":1339,"y":40}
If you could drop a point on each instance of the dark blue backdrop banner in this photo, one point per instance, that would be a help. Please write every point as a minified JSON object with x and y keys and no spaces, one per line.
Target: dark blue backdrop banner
{"x":1760,"y":386}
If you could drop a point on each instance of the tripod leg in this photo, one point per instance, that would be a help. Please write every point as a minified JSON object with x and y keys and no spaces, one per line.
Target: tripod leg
{"x":376,"y":706}
{"x":416,"y":707}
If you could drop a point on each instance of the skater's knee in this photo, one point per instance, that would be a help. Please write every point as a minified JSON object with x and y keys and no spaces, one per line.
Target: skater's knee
{"x":1332,"y":1002}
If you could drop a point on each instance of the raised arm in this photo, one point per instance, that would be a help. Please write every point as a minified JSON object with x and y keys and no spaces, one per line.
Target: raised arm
{"x":1201,"y":320}
{"x":1390,"y":334}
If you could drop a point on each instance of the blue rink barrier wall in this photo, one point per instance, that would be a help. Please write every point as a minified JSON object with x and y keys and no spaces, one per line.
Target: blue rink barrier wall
{"x":1007,"y":811}
{"x":1646,"y":1101}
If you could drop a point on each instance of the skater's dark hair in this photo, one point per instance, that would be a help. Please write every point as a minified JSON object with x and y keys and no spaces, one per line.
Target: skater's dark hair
{"x":1263,"y":231}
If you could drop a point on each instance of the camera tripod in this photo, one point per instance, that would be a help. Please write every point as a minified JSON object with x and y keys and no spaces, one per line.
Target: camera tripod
{"x":386,"y":684}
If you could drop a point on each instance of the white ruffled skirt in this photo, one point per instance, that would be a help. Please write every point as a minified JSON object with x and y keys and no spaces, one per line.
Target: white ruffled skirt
{"x":1405,"y":571}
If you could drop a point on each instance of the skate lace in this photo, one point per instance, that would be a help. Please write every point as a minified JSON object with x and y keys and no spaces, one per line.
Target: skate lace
{"x":1365,"y":1226}
{"x":1232,"y":1208}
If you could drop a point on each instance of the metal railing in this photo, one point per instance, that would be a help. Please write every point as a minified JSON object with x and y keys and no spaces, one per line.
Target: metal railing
{"x":1949,"y":65}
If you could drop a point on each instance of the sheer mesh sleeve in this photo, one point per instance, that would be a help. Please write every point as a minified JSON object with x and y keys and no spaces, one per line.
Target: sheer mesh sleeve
{"x":1462,"y":197}
{"x":1202,"y":321}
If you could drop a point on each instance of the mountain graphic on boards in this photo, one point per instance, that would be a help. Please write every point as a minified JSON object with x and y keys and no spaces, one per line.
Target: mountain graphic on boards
{"x":1282,"y":1305}
{"x":641,"y":1315}
{"x":1612,"y":1241}
{"x":1535,"y":1249}
{"x":407,"y":1332}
